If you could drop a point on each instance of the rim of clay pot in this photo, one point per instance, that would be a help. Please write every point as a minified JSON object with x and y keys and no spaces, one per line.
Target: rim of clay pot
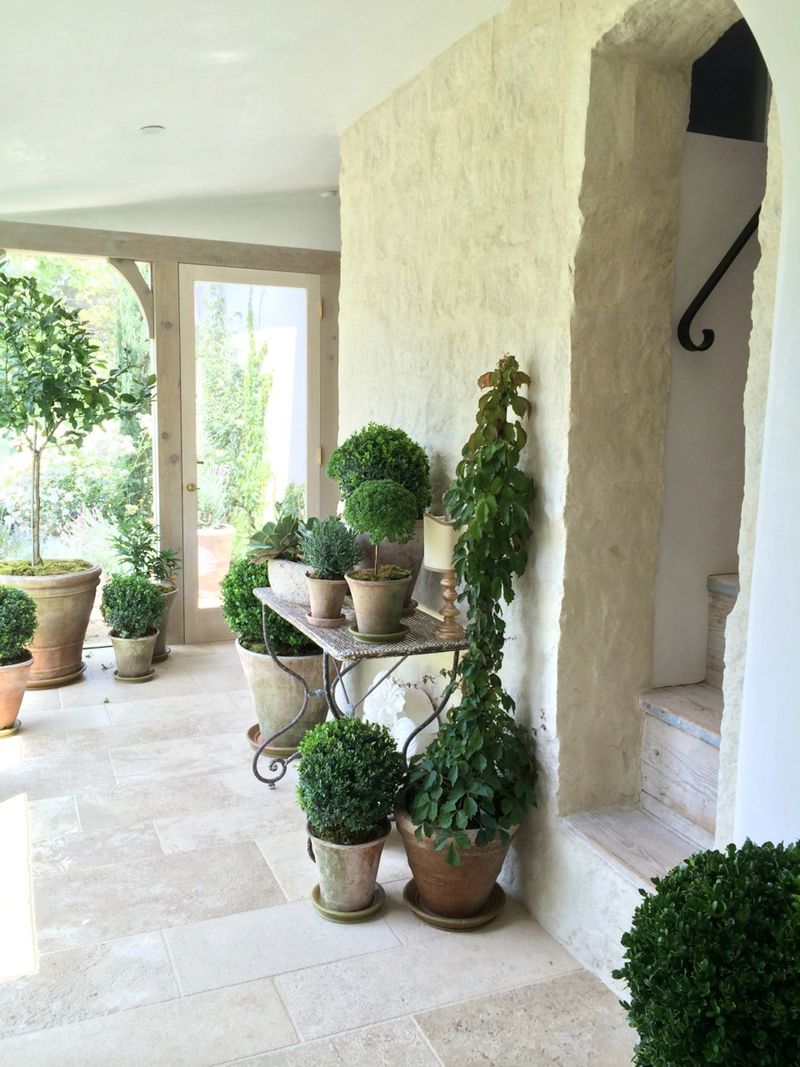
{"x":283,"y":659}
{"x":20,"y":663}
{"x":43,"y":581}
{"x":152,"y":633}
{"x":325,"y":581}
{"x":361,"y":844}
{"x":379,"y":581}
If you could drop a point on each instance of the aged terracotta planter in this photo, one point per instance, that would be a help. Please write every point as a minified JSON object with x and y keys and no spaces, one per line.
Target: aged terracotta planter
{"x":214,"y":547}
{"x":278,"y":697}
{"x":454,"y":892}
{"x":134,"y":656}
{"x":378,"y":605}
{"x":326,"y":596}
{"x":347,"y":873}
{"x":63,"y":604}
{"x":13,"y":679}
{"x":170,"y":592}
{"x":408,"y":556}
{"x":287,"y":580}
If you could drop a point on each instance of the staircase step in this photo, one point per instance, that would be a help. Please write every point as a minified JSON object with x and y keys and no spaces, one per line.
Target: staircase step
{"x":694,"y":709}
{"x":723,"y":590}
{"x":635,"y":842}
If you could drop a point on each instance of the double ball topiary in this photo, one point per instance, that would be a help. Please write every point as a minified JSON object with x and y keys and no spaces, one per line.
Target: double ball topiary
{"x":377,"y":452}
{"x":242,"y":612}
{"x":131,"y":606}
{"x":350,"y":772}
{"x":711,"y":961}
{"x":17,"y":624}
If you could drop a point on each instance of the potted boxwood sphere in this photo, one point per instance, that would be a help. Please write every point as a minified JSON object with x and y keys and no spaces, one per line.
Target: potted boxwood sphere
{"x":385,"y":511}
{"x":132,"y":608}
{"x":330,"y":549}
{"x":17,"y":627}
{"x":137,"y":547}
{"x":55,"y":388}
{"x":374,"y":453}
{"x":350,"y":771}
{"x":711,"y":961}
{"x":277,"y":696}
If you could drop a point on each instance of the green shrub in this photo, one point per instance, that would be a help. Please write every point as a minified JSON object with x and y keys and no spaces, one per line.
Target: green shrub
{"x":17,"y":624}
{"x":712,"y":961}
{"x":378,"y":452}
{"x":330,"y":549}
{"x":131,"y":605}
{"x":242,"y":612}
{"x":384,"y":510}
{"x":137,"y":547}
{"x":350,"y":771}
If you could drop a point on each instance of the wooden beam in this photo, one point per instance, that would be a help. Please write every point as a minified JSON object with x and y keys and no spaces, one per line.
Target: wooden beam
{"x":144,"y":294}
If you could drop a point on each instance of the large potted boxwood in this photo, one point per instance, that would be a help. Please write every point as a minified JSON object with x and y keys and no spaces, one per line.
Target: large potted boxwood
{"x":465,"y":797}
{"x":138,"y":549}
{"x":350,"y":771}
{"x":711,"y":961}
{"x":132,"y":608}
{"x":55,"y":389}
{"x":330,"y":549}
{"x":377,"y":452}
{"x":277,"y":696}
{"x":17,"y":627}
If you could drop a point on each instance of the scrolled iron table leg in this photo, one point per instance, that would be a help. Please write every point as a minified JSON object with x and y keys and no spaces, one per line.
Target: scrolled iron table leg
{"x":437,"y":711}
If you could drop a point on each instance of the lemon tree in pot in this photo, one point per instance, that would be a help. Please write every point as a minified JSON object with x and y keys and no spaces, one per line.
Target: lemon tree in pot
{"x":55,"y":388}
{"x":466,"y":795}
{"x":17,"y":627}
{"x":330,"y":549}
{"x":132,"y":608}
{"x":276,"y":695}
{"x":385,"y":511}
{"x":350,"y":771}
{"x":137,"y":548}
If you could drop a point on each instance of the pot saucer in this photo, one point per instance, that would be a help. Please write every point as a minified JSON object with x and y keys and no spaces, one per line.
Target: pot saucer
{"x":163,"y":656}
{"x":134,"y":681}
{"x":412,"y":607}
{"x":381,"y":639}
{"x":256,"y":740}
{"x":490,"y":910}
{"x":326,"y":624}
{"x":348,"y":916}
{"x":11,"y":730}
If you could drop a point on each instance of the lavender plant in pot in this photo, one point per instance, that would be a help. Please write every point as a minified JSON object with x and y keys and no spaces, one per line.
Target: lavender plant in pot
{"x":132,"y":608}
{"x":17,"y":627}
{"x":330,"y":549}
{"x":385,"y":511}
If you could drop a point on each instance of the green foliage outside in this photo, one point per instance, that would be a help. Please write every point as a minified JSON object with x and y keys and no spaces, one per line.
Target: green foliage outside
{"x":711,"y":961}
{"x":479,"y":771}
{"x":137,"y":548}
{"x":330,"y":549}
{"x":131,"y":606}
{"x":384,"y":510}
{"x":350,"y":772}
{"x":242,"y":612}
{"x":17,"y":624}
{"x":377,"y":452}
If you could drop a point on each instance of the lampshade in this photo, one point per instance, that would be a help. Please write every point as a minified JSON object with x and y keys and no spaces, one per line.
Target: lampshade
{"x":440,"y":540}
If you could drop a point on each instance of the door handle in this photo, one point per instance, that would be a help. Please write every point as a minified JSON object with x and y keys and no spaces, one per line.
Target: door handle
{"x":191,"y":487}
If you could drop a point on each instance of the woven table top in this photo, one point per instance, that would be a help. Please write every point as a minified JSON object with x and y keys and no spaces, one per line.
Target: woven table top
{"x":342,"y":645}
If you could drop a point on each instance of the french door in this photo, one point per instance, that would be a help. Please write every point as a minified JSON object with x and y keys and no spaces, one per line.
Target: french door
{"x":250,"y":425}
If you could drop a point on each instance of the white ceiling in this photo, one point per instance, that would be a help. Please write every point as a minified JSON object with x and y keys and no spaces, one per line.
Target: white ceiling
{"x":253,"y":93}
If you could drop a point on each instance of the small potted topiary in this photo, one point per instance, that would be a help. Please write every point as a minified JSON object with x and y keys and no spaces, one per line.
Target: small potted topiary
{"x":137,"y":547}
{"x":132,"y":608}
{"x":711,"y":961}
{"x":277,"y":696}
{"x":330,"y":549}
{"x":376,"y":452}
{"x":17,"y":627}
{"x":385,"y":511}
{"x":350,"y":771}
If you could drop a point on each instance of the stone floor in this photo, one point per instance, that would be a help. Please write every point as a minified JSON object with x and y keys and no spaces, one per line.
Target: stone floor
{"x":170,"y":894}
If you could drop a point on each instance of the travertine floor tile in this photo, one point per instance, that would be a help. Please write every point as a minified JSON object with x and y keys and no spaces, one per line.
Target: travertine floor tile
{"x":384,"y":985}
{"x":93,"y":848}
{"x":395,"y":1044}
{"x":39,"y":700}
{"x":406,"y":927}
{"x":69,"y":772}
{"x":99,"y":684}
{"x":84,"y":716}
{"x":256,"y":944}
{"x":52,"y":817}
{"x":41,"y":745}
{"x":570,"y":1020}
{"x":82,"y":982}
{"x":83,"y":907}
{"x":219,"y":678}
{"x":190,"y":755}
{"x":313,"y":1054}
{"x":197,"y":1031}
{"x":272,"y":813}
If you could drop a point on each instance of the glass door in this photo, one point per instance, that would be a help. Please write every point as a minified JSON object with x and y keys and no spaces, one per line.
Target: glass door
{"x":249,"y":415}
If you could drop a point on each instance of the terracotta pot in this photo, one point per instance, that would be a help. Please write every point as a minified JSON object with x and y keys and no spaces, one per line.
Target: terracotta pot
{"x":378,"y":605}
{"x":214,"y":548}
{"x":347,"y":873}
{"x":278,"y":697}
{"x":453,"y":892}
{"x":287,"y":580}
{"x":134,"y":655}
{"x":408,"y":556}
{"x":326,"y":596}
{"x":63,"y":603}
{"x":170,"y":592}
{"x":13,"y":679}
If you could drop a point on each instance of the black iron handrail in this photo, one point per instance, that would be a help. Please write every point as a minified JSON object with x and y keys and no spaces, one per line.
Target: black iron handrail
{"x":685,"y":325}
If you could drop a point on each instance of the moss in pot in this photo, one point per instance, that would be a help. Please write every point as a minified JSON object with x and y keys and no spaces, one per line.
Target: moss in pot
{"x":330,"y":549}
{"x":385,"y":511}
{"x":132,"y":608}
{"x":17,"y":627}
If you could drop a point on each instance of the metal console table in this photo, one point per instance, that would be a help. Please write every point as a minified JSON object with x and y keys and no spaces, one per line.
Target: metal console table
{"x":341,"y":653}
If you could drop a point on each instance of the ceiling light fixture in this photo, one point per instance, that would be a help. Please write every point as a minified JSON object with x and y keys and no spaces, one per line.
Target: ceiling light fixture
{"x":155,"y":128}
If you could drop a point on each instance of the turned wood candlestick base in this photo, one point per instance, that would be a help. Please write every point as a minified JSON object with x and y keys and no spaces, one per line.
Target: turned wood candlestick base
{"x":448,"y":629}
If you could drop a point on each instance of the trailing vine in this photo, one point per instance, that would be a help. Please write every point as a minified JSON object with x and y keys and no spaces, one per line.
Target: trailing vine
{"x":479,"y":773}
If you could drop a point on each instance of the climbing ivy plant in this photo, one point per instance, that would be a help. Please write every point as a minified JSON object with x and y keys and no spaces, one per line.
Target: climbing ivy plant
{"x":479,"y":772}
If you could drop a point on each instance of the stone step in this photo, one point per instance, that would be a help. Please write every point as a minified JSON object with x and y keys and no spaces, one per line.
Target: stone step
{"x":722,"y":592}
{"x":636,"y":843}
{"x":680,"y":758}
